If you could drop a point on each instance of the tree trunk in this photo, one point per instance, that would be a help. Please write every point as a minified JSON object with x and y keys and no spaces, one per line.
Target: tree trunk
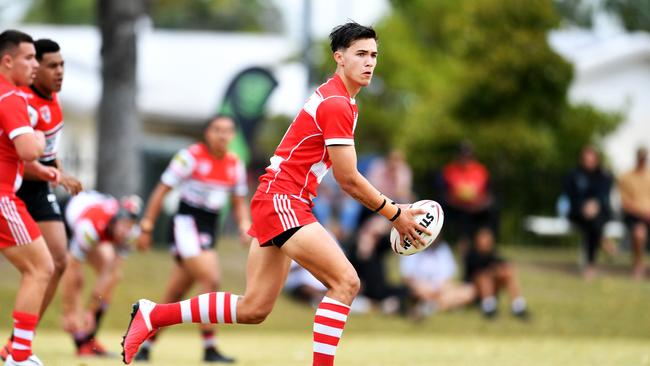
{"x":118,"y":157}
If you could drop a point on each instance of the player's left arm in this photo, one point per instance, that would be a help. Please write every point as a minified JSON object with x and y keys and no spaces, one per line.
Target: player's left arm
{"x":240,"y":205}
{"x":34,"y":170}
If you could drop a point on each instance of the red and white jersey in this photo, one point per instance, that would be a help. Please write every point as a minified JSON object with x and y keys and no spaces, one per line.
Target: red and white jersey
{"x":14,"y":122}
{"x":204,"y":181}
{"x":301,"y":160}
{"x":45,"y":114}
{"x":89,"y":214}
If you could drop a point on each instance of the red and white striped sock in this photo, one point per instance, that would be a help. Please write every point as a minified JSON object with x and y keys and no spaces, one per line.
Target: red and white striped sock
{"x":24,"y":326}
{"x":210,"y":308}
{"x":329,"y":322}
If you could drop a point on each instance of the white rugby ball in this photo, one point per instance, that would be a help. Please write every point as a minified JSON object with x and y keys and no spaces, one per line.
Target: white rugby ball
{"x":432,"y":219}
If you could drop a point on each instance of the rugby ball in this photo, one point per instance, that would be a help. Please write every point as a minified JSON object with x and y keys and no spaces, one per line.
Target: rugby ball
{"x":432,"y":219}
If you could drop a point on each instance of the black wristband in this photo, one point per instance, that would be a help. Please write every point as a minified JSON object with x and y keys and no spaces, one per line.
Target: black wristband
{"x":399,"y":211}
{"x":381,"y":206}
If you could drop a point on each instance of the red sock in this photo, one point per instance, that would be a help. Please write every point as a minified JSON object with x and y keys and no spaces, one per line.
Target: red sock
{"x":211,"y":308}
{"x":208,"y":338}
{"x":329,"y":322}
{"x":24,"y":325}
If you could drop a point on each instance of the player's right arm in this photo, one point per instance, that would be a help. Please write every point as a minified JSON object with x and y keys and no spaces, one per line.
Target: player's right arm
{"x":179,"y":169}
{"x":151,"y":214}
{"x":344,"y":168}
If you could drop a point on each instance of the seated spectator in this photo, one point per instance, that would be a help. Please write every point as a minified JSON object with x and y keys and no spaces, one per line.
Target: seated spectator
{"x":490,"y":273}
{"x":430,"y":277}
{"x":588,"y":189}
{"x":634,"y":187}
{"x":468,"y":201}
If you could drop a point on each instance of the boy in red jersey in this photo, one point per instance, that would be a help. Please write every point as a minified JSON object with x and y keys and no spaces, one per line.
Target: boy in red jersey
{"x":208,"y":176}
{"x":20,"y":239}
{"x":45,"y":115}
{"x":284,"y":228}
{"x":102,"y":229}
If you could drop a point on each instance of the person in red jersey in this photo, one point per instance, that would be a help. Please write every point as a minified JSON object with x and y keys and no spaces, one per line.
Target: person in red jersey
{"x":101,"y":232}
{"x":45,"y":115}
{"x":284,"y":228}
{"x":208,"y":176}
{"x":21,"y":241}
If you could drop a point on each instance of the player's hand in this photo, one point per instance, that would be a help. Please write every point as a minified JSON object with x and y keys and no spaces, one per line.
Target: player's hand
{"x":244,"y":238}
{"x":49,"y":174}
{"x":71,"y":322}
{"x":144,"y":241}
{"x":408,"y":228}
{"x":71,"y":184}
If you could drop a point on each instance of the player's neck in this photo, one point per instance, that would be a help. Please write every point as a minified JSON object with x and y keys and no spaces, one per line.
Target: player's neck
{"x":6,"y":75}
{"x":352,"y":87}
{"x":41,"y":91}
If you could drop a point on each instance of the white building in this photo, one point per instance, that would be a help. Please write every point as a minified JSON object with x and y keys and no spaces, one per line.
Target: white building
{"x":612,"y":72}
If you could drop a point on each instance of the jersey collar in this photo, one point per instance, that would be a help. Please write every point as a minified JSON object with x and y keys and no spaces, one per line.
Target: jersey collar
{"x":341,"y":86}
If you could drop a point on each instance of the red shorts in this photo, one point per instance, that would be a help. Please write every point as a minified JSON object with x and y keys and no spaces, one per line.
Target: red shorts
{"x":16,"y":225}
{"x":273,"y":213}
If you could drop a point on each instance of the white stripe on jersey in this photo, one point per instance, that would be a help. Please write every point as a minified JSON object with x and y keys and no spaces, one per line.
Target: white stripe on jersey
{"x":289,"y":157}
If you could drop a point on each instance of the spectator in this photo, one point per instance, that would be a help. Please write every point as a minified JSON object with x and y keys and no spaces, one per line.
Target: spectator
{"x":430,"y":277}
{"x":588,"y":189}
{"x":490,"y":273}
{"x":634,"y":187}
{"x":468,"y":200}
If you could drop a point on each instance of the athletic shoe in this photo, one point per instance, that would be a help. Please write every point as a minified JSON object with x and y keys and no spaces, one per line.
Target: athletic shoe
{"x":212,"y":355}
{"x":143,"y":355}
{"x":30,"y":361}
{"x":139,"y":329}
{"x":6,"y":350}
{"x":92,"y":348}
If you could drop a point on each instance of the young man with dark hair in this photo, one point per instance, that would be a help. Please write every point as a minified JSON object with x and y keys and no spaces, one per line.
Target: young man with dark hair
{"x":45,"y":115}
{"x":20,"y":238}
{"x":284,"y":228}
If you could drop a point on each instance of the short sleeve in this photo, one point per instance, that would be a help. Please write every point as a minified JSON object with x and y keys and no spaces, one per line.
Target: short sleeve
{"x":241,"y":185}
{"x":179,"y":169}
{"x":14,"y":119}
{"x":336,"y":118}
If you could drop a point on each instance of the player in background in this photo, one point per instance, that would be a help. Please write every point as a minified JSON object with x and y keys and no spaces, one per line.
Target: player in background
{"x":284,"y":228}
{"x":207,"y":176}
{"x":102,"y":229}
{"x":21,"y":241}
{"x":45,"y":115}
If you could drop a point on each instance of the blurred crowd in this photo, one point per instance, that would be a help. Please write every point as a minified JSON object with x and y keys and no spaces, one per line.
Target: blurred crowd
{"x":464,"y":268}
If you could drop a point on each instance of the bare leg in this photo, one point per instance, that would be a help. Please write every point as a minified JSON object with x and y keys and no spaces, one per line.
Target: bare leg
{"x":56,"y":240}
{"x":34,"y":263}
{"x":639,"y":238}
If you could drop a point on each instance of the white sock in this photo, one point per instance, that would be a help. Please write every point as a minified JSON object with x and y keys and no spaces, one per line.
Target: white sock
{"x":518,"y":305}
{"x":489,"y":304}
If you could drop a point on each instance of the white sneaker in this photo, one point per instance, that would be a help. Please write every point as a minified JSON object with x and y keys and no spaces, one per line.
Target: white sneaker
{"x":30,"y":361}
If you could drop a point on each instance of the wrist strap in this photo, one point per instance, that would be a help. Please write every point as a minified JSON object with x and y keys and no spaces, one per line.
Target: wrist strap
{"x":381,"y":206}
{"x":399,"y":212}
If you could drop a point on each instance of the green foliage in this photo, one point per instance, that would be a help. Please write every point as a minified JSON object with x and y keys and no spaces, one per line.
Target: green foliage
{"x":227,"y":15}
{"x":481,"y":71}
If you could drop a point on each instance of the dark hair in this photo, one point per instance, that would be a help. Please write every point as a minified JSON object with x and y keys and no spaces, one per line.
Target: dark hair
{"x":11,"y":38}
{"x":44,"y":46}
{"x":216,"y":117}
{"x":343,"y":35}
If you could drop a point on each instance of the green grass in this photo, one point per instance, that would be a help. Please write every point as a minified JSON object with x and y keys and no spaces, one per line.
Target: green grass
{"x":604,"y":322}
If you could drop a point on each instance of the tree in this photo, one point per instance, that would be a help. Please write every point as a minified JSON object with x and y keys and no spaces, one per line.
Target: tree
{"x":118,"y":123}
{"x":481,"y":71}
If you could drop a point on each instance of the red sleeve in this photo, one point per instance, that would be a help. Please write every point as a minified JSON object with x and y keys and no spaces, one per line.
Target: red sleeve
{"x":13,"y":116}
{"x":336,"y":118}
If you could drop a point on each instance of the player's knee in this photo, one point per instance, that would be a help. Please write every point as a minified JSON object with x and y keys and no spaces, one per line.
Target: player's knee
{"x":257,"y":316}
{"x":350,"y":283}
{"x":60,"y":264}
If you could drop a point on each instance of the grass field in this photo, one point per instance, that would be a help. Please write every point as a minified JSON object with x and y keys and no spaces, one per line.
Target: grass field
{"x":604,"y":322}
